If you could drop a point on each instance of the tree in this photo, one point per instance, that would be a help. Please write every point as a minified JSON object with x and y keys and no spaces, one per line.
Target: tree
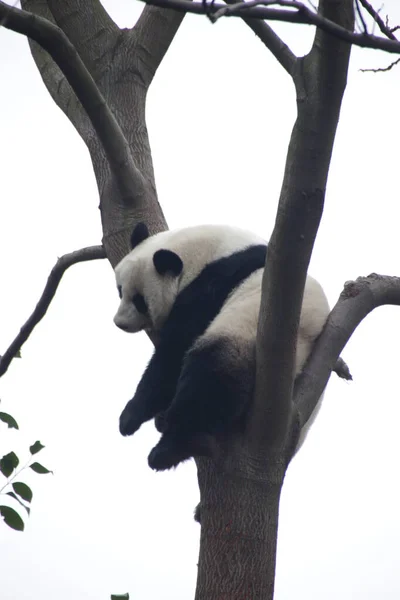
{"x":134,"y":199}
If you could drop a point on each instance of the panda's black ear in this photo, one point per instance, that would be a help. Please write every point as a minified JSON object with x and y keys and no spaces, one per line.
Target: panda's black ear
{"x":166,"y":261}
{"x":139,"y":234}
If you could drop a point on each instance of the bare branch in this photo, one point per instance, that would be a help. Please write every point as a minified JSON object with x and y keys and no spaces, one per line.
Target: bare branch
{"x":357,"y":300}
{"x":382,"y":69}
{"x":62,"y":264}
{"x":302,"y":14}
{"x":273,"y":42}
{"x":57,"y":44}
{"x":322,"y":74}
{"x":378,"y":20}
{"x":361,"y":17}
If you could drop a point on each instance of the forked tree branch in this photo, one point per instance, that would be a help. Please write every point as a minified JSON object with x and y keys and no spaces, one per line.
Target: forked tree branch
{"x":62,"y":264}
{"x":89,"y":28}
{"x":302,"y":14}
{"x":357,"y":300}
{"x":57,"y":44}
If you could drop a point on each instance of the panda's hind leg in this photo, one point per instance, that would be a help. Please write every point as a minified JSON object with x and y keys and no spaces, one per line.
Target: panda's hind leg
{"x":214,"y":387}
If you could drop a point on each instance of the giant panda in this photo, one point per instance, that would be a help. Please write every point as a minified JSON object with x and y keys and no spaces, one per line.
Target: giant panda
{"x":198,"y":290}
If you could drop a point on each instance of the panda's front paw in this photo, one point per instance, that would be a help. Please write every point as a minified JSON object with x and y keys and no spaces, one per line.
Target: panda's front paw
{"x":168,"y":453}
{"x":128,"y":421}
{"x":174,"y":448}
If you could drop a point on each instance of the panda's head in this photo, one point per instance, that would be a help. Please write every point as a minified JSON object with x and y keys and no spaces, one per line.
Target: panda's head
{"x":147,"y":282}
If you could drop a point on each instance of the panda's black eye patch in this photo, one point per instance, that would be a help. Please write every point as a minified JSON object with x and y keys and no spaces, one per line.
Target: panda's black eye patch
{"x":119,"y":288}
{"x":139,"y":303}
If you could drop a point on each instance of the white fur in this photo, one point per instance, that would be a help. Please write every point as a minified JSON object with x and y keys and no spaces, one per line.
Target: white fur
{"x":196,"y":246}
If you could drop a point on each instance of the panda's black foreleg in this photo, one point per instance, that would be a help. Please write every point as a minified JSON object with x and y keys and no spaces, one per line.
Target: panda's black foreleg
{"x":214,"y":387}
{"x":155,"y":391}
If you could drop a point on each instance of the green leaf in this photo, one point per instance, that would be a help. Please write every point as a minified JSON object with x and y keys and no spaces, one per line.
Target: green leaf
{"x":38,"y":468}
{"x":28,"y":510}
{"x":11,"y":422}
{"x":8,"y":463}
{"x":12,"y":518}
{"x":23,"y":490}
{"x":120,"y":597}
{"x":36,"y":447}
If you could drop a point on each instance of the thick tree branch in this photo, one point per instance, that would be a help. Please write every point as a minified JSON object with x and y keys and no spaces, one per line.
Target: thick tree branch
{"x":152,"y":36}
{"x":62,"y":264}
{"x":53,"y":77}
{"x":54,"y":41}
{"x":302,"y":15}
{"x":357,"y":300}
{"x":320,"y":82}
{"x":272,"y":41}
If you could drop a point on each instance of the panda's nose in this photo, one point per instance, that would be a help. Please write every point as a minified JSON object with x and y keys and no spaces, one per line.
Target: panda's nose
{"x":121,"y":324}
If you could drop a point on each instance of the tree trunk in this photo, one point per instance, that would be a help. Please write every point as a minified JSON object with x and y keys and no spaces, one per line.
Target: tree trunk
{"x":239,"y":523}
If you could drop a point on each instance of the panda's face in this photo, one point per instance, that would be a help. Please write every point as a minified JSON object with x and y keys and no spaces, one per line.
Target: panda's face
{"x":148,"y":284}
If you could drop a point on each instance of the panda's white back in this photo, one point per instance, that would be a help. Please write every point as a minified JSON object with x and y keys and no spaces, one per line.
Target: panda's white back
{"x":239,"y":315}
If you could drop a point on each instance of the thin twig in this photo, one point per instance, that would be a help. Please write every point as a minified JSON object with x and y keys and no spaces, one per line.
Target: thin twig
{"x":361,"y":17}
{"x":238,"y":6}
{"x":378,"y":20}
{"x":65,"y":261}
{"x":382,"y":69}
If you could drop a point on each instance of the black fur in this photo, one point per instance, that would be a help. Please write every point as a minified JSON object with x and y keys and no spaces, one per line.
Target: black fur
{"x":213,"y":388}
{"x":140,"y":303}
{"x":166,"y":261}
{"x":203,"y":410}
{"x":139,"y":233}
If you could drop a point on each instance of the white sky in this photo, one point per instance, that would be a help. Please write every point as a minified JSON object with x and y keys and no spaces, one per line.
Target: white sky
{"x":220,"y":112}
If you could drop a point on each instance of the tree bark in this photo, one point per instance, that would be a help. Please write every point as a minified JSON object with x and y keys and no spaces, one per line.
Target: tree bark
{"x":239,"y":524}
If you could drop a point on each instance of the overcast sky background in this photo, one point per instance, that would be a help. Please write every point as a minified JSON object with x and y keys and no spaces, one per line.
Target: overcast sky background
{"x":220,"y":112}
